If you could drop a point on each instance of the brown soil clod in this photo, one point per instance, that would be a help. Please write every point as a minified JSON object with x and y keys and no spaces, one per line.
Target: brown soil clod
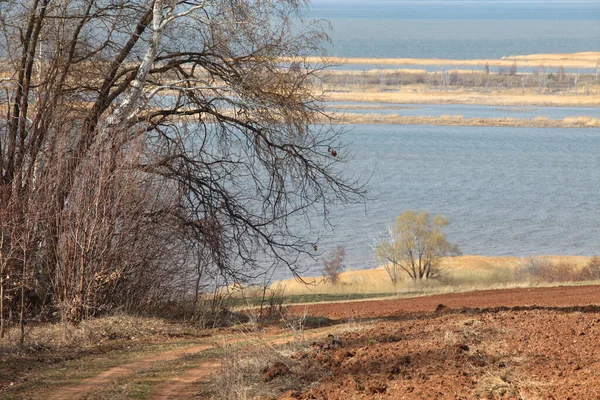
{"x":276,"y":370}
{"x":378,"y":387}
{"x":291,"y":395}
{"x":463,"y":347}
{"x":442,"y":309}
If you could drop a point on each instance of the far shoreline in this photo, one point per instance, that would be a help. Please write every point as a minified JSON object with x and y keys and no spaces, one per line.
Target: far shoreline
{"x":502,"y":99}
{"x":459,"y":120}
{"x":459,"y":274}
{"x":587,"y":59}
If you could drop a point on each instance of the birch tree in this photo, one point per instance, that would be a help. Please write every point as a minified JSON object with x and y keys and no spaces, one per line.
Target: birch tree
{"x":134,"y":134}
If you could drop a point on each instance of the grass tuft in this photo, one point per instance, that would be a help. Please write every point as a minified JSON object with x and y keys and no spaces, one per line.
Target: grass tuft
{"x":57,"y":336}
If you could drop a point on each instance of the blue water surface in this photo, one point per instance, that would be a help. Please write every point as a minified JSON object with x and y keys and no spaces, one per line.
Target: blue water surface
{"x":454,"y":29}
{"x":507,"y":191}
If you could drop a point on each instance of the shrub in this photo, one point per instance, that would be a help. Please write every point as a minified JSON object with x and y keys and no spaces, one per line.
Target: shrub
{"x":541,"y":270}
{"x":529,"y":268}
{"x":591,"y":272}
{"x":557,"y":272}
{"x":333,"y":266}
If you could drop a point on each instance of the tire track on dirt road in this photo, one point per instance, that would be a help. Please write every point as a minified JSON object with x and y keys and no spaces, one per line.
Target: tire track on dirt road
{"x":106,"y":377}
{"x":185,"y":386}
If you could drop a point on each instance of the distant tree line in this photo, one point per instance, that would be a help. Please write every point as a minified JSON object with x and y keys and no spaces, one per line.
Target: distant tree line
{"x":542,"y":79}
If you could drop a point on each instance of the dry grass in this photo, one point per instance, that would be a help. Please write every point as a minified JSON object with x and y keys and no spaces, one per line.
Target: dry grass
{"x":244,"y":368}
{"x":575,"y":60}
{"x":350,"y":282}
{"x":464,"y":273}
{"x":459,"y":120}
{"x":241,"y":370}
{"x":582,"y":120}
{"x":475,"y":262}
{"x":507,"y":97}
{"x":143,"y":383}
{"x":367,"y":106}
{"x":377,"y":71}
{"x":55,"y":356}
{"x":59,"y":336}
{"x":585,"y":58}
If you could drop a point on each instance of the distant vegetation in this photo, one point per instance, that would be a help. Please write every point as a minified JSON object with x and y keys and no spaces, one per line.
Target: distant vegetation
{"x":540,"y":80}
{"x":462,"y":273}
{"x":459,"y":120}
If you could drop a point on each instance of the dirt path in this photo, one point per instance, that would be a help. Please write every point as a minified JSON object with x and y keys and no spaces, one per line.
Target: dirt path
{"x":185,"y":387}
{"x":106,"y":377}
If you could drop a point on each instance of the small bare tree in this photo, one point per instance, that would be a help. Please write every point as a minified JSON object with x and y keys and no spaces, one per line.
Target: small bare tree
{"x":414,"y":246}
{"x":333,"y":265}
{"x":560,"y":73}
{"x":5,"y":254}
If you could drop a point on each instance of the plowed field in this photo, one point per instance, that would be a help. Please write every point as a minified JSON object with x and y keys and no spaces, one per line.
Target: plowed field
{"x":561,"y":296}
{"x":541,"y":343}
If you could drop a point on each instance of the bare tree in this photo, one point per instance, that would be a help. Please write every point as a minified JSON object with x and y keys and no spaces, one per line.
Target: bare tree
{"x":560,"y":73}
{"x":130,"y":130}
{"x":5,"y":256}
{"x":414,"y":246}
{"x":333,"y":265}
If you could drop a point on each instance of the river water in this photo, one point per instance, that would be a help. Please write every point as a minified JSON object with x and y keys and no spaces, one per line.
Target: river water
{"x":507,"y":191}
{"x":459,"y":29}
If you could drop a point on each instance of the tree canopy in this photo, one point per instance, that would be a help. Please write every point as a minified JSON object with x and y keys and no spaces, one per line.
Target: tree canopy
{"x":146,"y":142}
{"x":414,"y":245}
